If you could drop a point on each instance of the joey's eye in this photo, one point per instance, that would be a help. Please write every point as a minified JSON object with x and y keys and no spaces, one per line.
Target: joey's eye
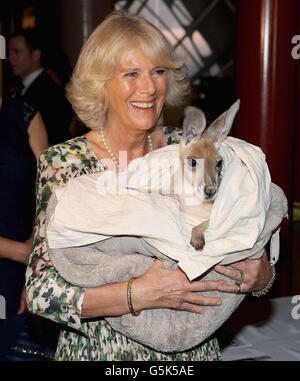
{"x":219,"y":164}
{"x":192,"y":162}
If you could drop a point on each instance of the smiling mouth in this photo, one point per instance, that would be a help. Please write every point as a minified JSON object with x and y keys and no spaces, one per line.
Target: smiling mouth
{"x":143,"y":105}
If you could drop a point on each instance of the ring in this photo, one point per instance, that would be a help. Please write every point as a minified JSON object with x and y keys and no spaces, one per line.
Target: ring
{"x":240,"y":281}
{"x":239,"y":289}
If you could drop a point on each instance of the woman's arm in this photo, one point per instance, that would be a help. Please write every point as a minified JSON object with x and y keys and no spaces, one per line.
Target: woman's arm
{"x":38,"y":139}
{"x":15,"y":250}
{"x":157,"y":288}
{"x":47,"y":293}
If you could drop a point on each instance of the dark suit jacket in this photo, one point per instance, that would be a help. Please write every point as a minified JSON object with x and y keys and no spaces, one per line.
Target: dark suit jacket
{"x":55,"y":109}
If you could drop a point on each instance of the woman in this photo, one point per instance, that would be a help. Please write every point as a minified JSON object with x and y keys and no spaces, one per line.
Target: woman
{"x":125,"y":74}
{"x":23,"y":138}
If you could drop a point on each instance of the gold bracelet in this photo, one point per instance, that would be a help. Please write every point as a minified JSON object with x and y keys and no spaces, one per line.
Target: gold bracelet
{"x":265,"y":290}
{"x":31,"y":352}
{"x":131,"y":309}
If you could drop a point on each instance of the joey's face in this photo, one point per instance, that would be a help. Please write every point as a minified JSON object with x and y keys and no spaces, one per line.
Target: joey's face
{"x":202,"y":167}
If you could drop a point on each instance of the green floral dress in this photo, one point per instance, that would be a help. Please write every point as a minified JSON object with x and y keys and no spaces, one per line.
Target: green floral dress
{"x":52,"y":297}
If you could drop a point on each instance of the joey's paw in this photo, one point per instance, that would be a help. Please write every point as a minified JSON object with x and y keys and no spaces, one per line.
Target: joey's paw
{"x":198,"y":245}
{"x":197,"y":238}
{"x":198,"y":241}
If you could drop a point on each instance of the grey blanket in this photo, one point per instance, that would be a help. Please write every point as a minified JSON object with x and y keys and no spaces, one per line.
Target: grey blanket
{"x":120,"y":258}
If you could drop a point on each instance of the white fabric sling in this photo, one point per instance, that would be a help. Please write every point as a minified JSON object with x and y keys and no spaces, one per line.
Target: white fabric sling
{"x":90,"y":210}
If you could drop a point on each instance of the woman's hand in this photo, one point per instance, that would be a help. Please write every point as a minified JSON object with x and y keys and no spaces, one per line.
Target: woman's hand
{"x":23,"y":305}
{"x":257,"y":274}
{"x":162,"y":288}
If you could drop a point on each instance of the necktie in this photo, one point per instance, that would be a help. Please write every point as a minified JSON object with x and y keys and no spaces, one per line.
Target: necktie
{"x":19,"y":90}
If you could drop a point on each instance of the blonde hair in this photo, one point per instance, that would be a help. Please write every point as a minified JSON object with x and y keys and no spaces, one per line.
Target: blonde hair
{"x":100,"y":55}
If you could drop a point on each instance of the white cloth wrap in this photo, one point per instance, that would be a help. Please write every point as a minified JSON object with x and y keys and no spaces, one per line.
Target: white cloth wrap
{"x":97,"y":235}
{"x":84,"y":215}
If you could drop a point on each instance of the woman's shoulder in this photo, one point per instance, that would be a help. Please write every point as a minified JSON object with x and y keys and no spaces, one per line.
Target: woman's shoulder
{"x":72,"y":152}
{"x":77,"y":145}
{"x":63,"y":161}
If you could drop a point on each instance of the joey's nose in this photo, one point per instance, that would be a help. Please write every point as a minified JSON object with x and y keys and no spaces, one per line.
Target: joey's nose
{"x":209,"y":190}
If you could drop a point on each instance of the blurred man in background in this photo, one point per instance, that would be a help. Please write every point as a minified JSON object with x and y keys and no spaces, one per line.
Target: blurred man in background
{"x":25,"y":58}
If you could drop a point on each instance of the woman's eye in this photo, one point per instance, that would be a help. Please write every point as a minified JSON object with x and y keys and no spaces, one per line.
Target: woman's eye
{"x":131,"y":74}
{"x":160,"y":71}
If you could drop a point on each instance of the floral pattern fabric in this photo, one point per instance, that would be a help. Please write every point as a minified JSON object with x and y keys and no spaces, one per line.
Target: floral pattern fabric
{"x":52,"y":297}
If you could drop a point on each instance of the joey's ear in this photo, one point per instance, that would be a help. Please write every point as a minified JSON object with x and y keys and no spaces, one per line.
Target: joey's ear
{"x":220,"y":128}
{"x":194,"y":124}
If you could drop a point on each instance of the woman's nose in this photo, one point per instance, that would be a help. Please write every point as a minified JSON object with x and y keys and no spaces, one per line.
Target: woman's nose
{"x":147,"y":84}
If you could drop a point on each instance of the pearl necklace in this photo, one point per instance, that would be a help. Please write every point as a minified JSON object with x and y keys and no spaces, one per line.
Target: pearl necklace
{"x":113,"y":156}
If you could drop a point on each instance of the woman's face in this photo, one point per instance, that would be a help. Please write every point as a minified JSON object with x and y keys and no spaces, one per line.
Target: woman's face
{"x":136,"y":93}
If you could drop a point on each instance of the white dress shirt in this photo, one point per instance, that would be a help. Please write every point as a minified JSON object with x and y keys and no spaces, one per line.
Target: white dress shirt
{"x":27,"y":81}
